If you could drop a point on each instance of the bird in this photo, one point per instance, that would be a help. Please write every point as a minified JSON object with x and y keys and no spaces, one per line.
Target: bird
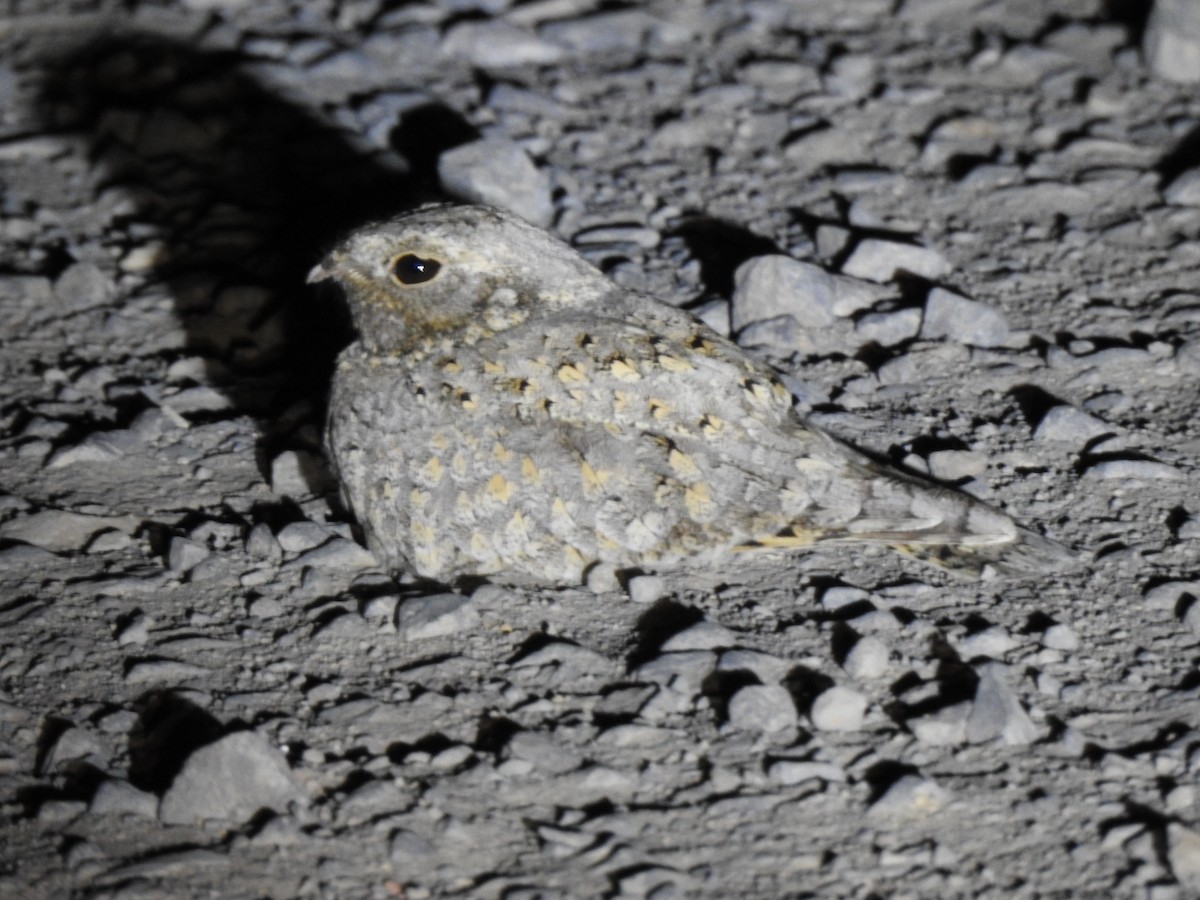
{"x":508,"y":413}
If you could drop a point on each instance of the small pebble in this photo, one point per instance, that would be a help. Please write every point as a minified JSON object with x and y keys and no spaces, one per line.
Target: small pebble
{"x":1060,"y":637}
{"x":762,"y":708}
{"x":910,"y":795}
{"x":838,"y":709}
{"x":646,"y":588}
{"x":438,"y":615}
{"x":868,"y":658}
{"x":497,"y":172}
{"x":879,"y":260}
{"x":950,"y":315}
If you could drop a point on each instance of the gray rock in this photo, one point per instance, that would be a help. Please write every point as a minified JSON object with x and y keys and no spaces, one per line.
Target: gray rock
{"x":183,"y":555}
{"x":547,"y":755}
{"x":701,"y":636}
{"x":944,"y":727}
{"x":1171,"y":41}
{"x":763,"y":708}
{"x":409,"y":851}
{"x":336,"y":554}
{"x":73,"y":746}
{"x":868,"y":658}
{"x":59,"y":531}
{"x":420,"y":618}
{"x":953,"y":465}
{"x":498,"y":45}
{"x":1070,"y":425}
{"x":792,"y":771}
{"x":115,"y":795}
{"x":766,"y":287}
{"x":890,"y":328}
{"x":1135,"y":469}
{"x":910,"y":796}
{"x":83,"y":285}
{"x":997,"y":713}
{"x":953,"y":316}
{"x":613,"y":32}
{"x":1183,"y":855}
{"x":993,"y":642}
{"x":498,"y":172}
{"x":1184,"y":190}
{"x":298,"y":473}
{"x":646,"y":588}
{"x":646,"y":238}
{"x":715,"y":314}
{"x":766,"y":668}
{"x":682,"y":671}
{"x":1060,"y":637}
{"x":231,"y":780}
{"x":838,"y":709}
{"x":296,"y":537}
{"x":262,"y":544}
{"x":879,"y":260}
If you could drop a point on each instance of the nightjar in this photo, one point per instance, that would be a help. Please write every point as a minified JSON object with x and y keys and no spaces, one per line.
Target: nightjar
{"x":509,"y":412}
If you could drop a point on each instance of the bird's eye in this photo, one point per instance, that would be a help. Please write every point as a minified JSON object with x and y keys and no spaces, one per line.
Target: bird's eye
{"x":411,"y":269}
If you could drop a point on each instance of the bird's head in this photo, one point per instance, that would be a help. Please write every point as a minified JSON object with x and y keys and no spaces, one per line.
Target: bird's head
{"x":442,"y":268}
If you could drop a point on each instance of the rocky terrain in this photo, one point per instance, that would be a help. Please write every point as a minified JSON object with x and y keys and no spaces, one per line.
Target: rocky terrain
{"x":966,"y":231}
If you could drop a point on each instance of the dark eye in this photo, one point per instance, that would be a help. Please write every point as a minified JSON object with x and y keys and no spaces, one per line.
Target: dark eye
{"x":410,"y":269}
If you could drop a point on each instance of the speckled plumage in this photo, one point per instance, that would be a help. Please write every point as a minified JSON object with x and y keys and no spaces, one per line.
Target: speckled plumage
{"x":518,"y":416}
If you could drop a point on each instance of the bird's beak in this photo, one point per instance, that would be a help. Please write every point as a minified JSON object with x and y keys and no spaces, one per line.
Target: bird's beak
{"x":322,"y":271}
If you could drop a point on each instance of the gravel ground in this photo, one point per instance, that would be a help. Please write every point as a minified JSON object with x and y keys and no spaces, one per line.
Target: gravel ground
{"x":207,"y":687}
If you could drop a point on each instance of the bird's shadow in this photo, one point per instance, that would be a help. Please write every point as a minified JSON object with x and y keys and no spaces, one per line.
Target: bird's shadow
{"x":245,"y":189}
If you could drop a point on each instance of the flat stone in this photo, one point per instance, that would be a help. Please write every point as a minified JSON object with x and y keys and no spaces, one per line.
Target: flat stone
{"x":231,"y":779}
{"x":496,"y":171}
{"x":763,"y":708}
{"x":495,"y":44}
{"x":838,"y":709}
{"x":438,"y":615}
{"x":60,"y":531}
{"x":775,"y":285}
{"x":997,"y":713}
{"x":910,"y":796}
{"x":879,"y":260}
{"x":868,"y":658}
{"x":950,"y":315}
{"x":1070,"y":425}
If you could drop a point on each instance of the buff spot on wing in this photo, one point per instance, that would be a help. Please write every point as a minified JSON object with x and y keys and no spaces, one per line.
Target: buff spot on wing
{"x":624,"y":370}
{"x":529,"y":470}
{"x":711,"y":425}
{"x":683,"y":465}
{"x":569,"y":373}
{"x":698,"y":499}
{"x":674,"y":363}
{"x":659,"y":409}
{"x":432,"y":471}
{"x":594,"y":479}
{"x":501,"y":453}
{"x":500,"y":487}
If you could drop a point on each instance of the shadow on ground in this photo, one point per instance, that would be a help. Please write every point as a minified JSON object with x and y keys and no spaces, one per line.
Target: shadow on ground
{"x":244,"y":190}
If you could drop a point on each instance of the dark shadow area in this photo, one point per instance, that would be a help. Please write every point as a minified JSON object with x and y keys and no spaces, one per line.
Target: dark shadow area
{"x":662,"y":620}
{"x":168,"y":731}
{"x":1133,"y":14}
{"x":1183,"y":156}
{"x":720,"y":247}
{"x":1034,"y":402}
{"x":245,"y":190}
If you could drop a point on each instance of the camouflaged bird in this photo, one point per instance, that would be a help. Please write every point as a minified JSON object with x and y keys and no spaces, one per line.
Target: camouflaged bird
{"x":510,"y":412}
